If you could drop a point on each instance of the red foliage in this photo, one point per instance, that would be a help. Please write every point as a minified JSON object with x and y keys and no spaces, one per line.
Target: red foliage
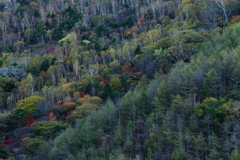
{"x":29,"y":116}
{"x":50,"y":53}
{"x":127,"y":68}
{"x":106,"y":81}
{"x":82,"y":96}
{"x":70,"y":112}
{"x":61,"y":102}
{"x":76,"y":42}
{"x":22,"y":139}
{"x":66,"y":58}
{"x":69,"y":101}
{"x":81,"y":93}
{"x":68,"y":117}
{"x":140,"y":21}
{"x":132,"y":70}
{"x":44,"y":74}
{"x":56,"y":105}
{"x":28,"y":121}
{"x":57,"y":12}
{"x":7,"y":142}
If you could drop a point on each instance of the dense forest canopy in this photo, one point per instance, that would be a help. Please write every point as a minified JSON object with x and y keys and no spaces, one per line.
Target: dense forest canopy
{"x":120,"y":79}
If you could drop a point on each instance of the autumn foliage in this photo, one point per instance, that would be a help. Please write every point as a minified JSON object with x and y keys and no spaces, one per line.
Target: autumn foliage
{"x":106,"y":81}
{"x":7,"y":142}
{"x":58,"y":104}
{"x":140,"y":20}
{"x":127,"y":68}
{"x":52,"y":117}
{"x":29,"y":120}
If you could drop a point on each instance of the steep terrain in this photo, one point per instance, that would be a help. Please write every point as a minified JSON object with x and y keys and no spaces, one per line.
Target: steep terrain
{"x":137,"y":79}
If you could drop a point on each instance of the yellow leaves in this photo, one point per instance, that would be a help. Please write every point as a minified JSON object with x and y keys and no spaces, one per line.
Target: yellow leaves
{"x":138,"y":56}
{"x":88,"y":105}
{"x":127,"y":32}
{"x":230,"y":108}
{"x":83,"y":110}
{"x":153,"y":136}
{"x":34,"y":4}
{"x":186,"y":1}
{"x":28,"y":104}
{"x":86,"y":42}
{"x":69,"y":106}
{"x":152,"y":37}
{"x":66,"y":86}
{"x":69,"y":38}
{"x":92,"y":100}
{"x":114,"y":63}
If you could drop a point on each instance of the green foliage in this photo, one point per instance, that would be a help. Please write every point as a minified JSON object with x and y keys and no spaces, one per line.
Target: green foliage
{"x":235,"y":155}
{"x":211,"y":84}
{"x":74,"y":15}
{"x":44,"y":66}
{"x":86,"y":42}
{"x":88,"y":105}
{"x":142,"y":103}
{"x":31,"y":145}
{"x":179,"y":153}
{"x":40,"y":28}
{"x":178,"y":114}
{"x":7,"y":84}
{"x":107,"y":92}
{"x":137,"y":50}
{"x":48,"y":129}
{"x":3,"y":152}
{"x":209,"y":105}
{"x":115,"y":84}
{"x":100,"y":30}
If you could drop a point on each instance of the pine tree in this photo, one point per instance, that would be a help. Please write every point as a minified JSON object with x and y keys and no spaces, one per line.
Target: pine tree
{"x":137,"y":50}
{"x":107,"y":92}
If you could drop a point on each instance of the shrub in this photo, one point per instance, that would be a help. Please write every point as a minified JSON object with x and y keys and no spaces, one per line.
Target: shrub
{"x":47,"y":129}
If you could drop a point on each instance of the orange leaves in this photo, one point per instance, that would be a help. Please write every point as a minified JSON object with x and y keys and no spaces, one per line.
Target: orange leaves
{"x":130,"y":31}
{"x":66,"y":58}
{"x":140,"y":21}
{"x":57,"y":12}
{"x":52,"y":117}
{"x":99,"y":78}
{"x":68,"y":117}
{"x":235,"y":19}
{"x":127,"y":32}
{"x":125,"y":68}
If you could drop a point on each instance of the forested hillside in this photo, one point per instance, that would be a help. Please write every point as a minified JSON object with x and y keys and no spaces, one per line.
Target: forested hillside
{"x":120,"y":80}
